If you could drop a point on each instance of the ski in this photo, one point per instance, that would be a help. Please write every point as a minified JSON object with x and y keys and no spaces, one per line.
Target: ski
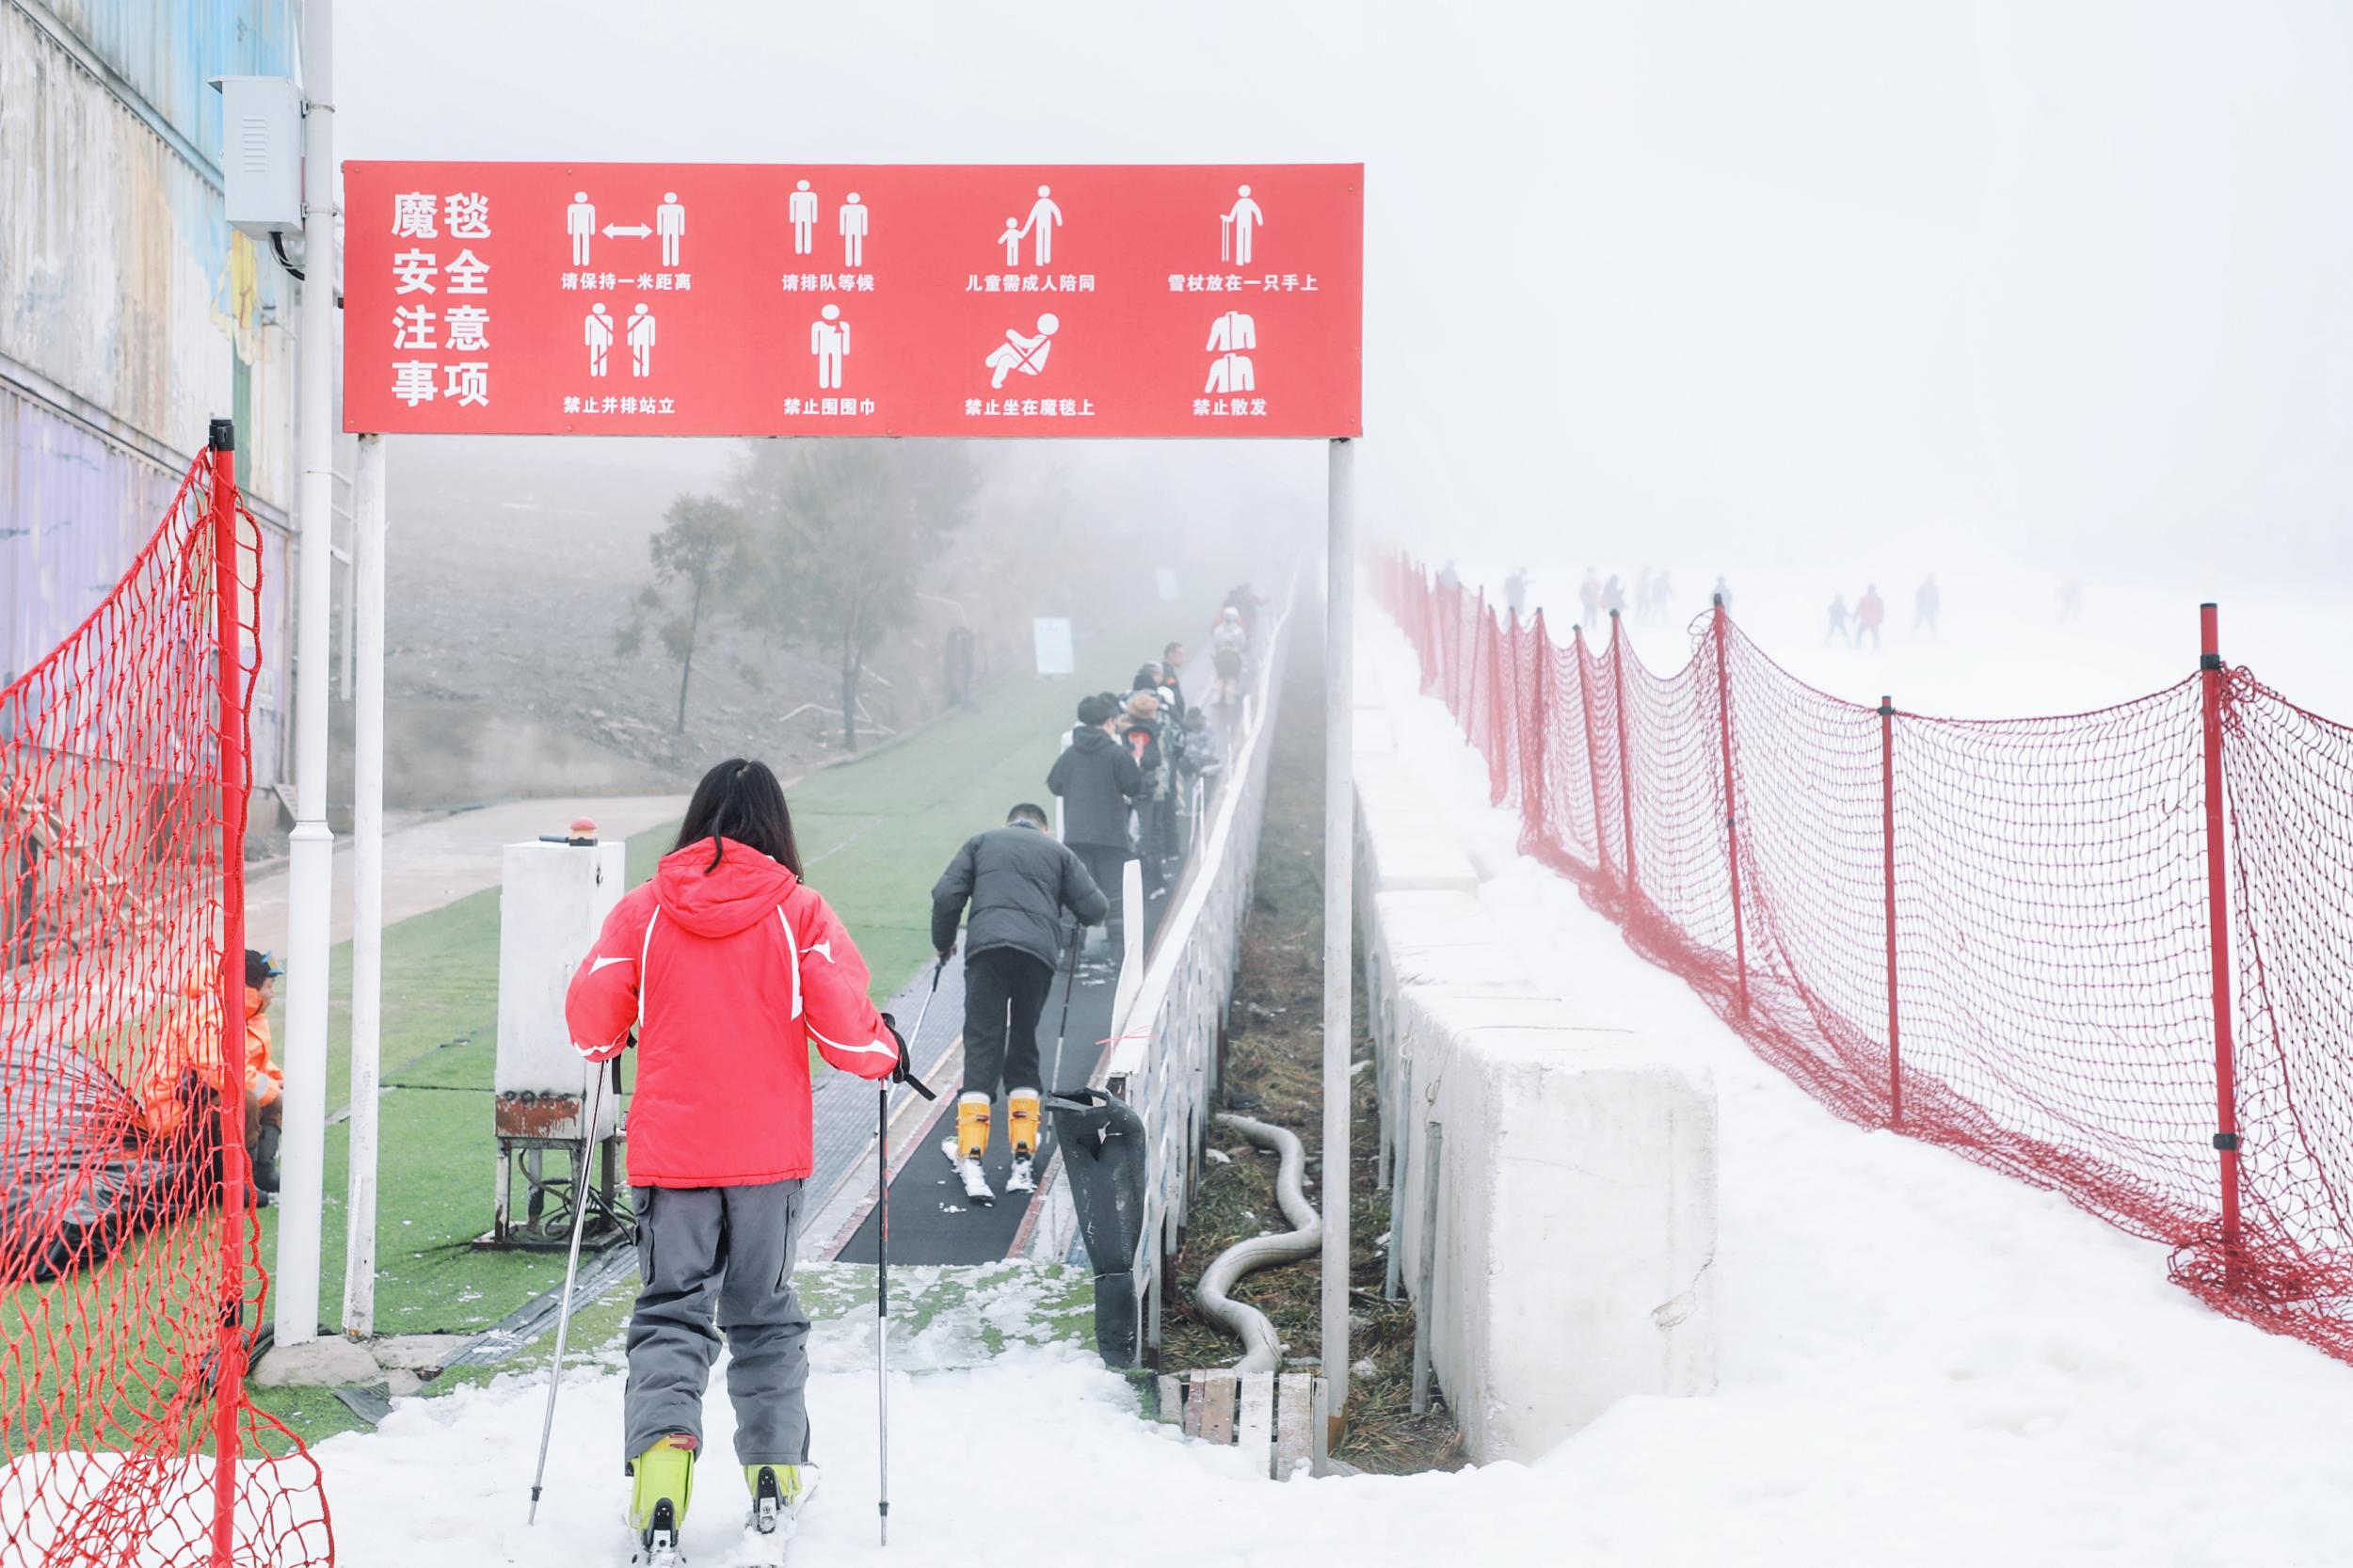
{"x":976,"y":1187}
{"x":657,"y":1547}
{"x":1024,"y":1176}
{"x":759,"y":1549}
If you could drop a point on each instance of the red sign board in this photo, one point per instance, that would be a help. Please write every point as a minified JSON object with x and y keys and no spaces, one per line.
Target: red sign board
{"x":765,"y":299}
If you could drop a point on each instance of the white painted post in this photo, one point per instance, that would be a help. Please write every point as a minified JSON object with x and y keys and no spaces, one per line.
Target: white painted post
{"x":367,"y":883}
{"x":1339,"y":862}
{"x":1058,"y":825}
{"x":311,"y":871}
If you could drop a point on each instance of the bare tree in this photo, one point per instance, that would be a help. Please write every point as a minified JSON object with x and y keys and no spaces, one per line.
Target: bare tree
{"x":841,"y":532}
{"x":700,"y":551}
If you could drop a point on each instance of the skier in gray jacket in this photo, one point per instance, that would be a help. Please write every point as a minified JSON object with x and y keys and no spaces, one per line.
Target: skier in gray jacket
{"x":1018,"y":880}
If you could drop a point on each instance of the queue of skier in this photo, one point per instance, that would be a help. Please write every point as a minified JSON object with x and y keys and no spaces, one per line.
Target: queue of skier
{"x":726,"y":971}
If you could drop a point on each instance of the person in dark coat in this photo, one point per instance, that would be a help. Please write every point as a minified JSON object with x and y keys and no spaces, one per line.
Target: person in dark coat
{"x":957,"y":656}
{"x":1017,"y":879}
{"x":1140,"y":728}
{"x":1162,"y":831}
{"x":1099,"y":783}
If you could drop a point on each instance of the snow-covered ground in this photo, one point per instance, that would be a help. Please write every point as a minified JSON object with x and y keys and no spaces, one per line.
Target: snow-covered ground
{"x":1922,"y":1362}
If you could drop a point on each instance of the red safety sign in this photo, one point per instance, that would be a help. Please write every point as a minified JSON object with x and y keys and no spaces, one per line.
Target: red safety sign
{"x":765,"y":299}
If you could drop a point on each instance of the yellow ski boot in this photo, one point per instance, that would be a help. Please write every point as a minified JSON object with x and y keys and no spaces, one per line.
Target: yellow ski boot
{"x":663,"y":1485}
{"x":968,"y":1147}
{"x":1024,"y":1119}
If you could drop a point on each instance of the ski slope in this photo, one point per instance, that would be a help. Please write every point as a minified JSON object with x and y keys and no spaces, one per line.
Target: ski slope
{"x":1922,"y":1362}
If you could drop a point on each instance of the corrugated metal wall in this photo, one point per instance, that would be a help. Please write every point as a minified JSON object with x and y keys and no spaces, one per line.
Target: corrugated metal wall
{"x":75,"y":508}
{"x":168,"y":50}
{"x":128,"y":306}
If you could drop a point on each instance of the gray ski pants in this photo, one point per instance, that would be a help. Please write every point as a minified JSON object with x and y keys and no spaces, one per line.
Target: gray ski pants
{"x":729,"y":1248}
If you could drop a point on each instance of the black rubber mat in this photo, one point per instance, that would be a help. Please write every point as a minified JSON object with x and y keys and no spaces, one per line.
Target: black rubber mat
{"x":931,"y":1219}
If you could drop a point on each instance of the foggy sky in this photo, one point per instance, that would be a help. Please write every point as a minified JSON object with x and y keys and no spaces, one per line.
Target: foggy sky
{"x":2071,"y":280}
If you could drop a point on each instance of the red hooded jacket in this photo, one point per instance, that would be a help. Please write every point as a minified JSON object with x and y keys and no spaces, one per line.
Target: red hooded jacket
{"x":727,"y":975}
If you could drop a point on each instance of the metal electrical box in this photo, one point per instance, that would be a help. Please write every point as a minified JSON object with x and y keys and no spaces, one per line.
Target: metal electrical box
{"x":552,"y":903}
{"x":261,"y":153}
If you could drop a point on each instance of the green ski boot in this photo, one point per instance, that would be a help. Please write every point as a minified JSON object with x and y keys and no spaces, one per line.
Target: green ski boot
{"x":663,"y":1477}
{"x":777,"y":1492}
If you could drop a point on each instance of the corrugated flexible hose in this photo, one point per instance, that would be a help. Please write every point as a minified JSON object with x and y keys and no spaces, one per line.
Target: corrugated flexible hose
{"x":1263,"y":1351}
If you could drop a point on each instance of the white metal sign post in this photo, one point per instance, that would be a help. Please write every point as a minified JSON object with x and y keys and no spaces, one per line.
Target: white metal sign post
{"x":310,"y":873}
{"x":367,"y":884}
{"x":1339,"y":860}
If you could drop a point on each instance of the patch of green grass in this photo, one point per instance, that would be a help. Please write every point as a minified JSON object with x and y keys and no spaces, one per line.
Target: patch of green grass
{"x":874,"y":834}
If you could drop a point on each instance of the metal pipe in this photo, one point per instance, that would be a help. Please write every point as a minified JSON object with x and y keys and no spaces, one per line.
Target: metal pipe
{"x":367,"y":884}
{"x":310,"y":866}
{"x":1262,"y":1351}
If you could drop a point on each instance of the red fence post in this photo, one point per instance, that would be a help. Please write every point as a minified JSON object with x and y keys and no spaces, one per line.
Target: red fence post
{"x":1625,"y":767}
{"x":1732,"y":812}
{"x":1536,"y":746}
{"x":2226,"y":1139}
{"x":1466,"y":712}
{"x":1500,"y":713}
{"x":1887,"y":862}
{"x":1593,"y":754}
{"x":1481,"y":632}
{"x":229,"y":1365}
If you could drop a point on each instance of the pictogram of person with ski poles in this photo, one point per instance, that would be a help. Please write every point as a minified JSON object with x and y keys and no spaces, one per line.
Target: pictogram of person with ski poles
{"x":728,"y":967}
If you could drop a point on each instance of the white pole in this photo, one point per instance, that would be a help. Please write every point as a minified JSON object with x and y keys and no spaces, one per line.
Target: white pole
{"x":310,"y":882}
{"x":367,"y":882}
{"x":1339,"y":860}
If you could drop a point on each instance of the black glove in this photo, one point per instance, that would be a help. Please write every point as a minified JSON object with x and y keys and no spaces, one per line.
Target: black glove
{"x":902,"y":1071}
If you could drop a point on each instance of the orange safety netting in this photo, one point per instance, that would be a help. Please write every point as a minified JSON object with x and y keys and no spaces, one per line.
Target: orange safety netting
{"x":130,"y":1279}
{"x":2110,"y":954}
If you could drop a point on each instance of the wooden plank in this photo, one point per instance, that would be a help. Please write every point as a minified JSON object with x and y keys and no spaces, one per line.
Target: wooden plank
{"x":1294,"y":1401}
{"x":1254,"y":1427}
{"x":1171,"y":1402}
{"x":1217,"y":1422}
{"x":1196,"y":1395}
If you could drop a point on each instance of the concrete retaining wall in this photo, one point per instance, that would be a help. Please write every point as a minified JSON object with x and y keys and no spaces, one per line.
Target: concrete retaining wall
{"x":1576,"y":1183}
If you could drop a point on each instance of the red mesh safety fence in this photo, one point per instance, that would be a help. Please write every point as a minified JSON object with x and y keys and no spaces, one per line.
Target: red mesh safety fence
{"x":130,"y":1275}
{"x":2110,"y":954}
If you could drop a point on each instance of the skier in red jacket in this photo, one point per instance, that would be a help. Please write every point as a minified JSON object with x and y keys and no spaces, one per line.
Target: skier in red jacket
{"x":729,"y":969}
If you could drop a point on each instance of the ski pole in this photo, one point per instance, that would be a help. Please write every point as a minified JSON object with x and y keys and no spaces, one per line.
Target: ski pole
{"x":571,"y":1276}
{"x":1070,"y":977}
{"x":881,"y":1251}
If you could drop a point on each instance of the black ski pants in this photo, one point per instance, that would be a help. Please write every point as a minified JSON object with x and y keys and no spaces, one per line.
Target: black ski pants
{"x":1004,"y":991}
{"x":1108,"y":865}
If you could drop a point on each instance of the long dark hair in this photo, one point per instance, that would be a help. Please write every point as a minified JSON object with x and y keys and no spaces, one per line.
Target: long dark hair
{"x":741,"y":800}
